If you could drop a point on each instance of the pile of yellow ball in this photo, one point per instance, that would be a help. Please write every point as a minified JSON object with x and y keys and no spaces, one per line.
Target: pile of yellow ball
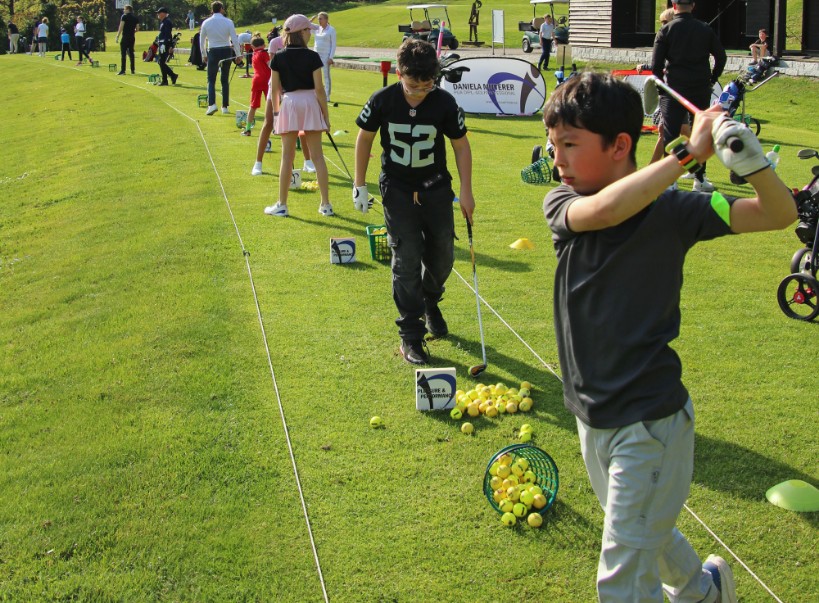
{"x":309,"y":185}
{"x":492,"y":401}
{"x":515,"y":491}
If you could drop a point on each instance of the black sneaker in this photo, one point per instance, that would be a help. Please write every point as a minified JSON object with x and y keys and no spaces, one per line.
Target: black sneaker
{"x":174,"y":77}
{"x":414,"y":351}
{"x":436,"y":325}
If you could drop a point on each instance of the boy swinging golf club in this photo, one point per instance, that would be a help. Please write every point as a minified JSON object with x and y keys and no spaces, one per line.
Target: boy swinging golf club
{"x":621,"y":238}
{"x":413,"y":116}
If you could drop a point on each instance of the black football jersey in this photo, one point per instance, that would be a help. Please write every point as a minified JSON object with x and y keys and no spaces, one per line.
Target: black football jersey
{"x":412,"y":139}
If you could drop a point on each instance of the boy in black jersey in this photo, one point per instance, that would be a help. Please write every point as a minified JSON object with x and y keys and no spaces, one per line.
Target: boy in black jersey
{"x":621,"y":239}
{"x":413,"y":116}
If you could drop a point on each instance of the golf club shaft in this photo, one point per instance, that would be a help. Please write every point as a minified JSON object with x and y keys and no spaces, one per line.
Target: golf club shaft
{"x":477,"y":295}
{"x":333,"y":142}
{"x":735,"y":144}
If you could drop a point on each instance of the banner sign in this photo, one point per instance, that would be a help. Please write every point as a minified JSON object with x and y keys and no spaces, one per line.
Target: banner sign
{"x":498,"y":85}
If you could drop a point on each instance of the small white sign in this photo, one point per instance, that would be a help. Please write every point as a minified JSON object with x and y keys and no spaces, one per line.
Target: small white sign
{"x":342,"y":250}
{"x":435,"y":388}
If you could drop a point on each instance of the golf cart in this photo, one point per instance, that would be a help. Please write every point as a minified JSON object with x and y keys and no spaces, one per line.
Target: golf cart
{"x":530,"y":29}
{"x":429,"y":27}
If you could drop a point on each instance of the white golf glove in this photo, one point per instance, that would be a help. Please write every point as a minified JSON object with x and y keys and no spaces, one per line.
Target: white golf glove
{"x":361,"y":198}
{"x":750,"y":160}
{"x":161,"y":49}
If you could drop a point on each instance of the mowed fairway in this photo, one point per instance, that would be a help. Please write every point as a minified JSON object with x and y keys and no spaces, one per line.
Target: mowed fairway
{"x":142,"y":450}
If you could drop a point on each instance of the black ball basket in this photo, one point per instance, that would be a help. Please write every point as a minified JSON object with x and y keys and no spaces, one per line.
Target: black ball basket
{"x":539,"y":462}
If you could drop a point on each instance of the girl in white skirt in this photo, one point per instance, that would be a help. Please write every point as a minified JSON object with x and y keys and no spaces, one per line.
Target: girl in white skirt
{"x":299,"y":104}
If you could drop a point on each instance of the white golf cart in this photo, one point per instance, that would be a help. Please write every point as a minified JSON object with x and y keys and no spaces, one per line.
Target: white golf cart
{"x":530,"y":29}
{"x":429,"y":27}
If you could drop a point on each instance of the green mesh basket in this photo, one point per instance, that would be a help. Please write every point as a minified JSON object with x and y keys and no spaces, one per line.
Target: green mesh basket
{"x":538,"y":173}
{"x":540,"y":463}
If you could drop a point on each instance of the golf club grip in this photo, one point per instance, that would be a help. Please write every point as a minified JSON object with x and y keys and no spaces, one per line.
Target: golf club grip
{"x":735,"y":144}
{"x":469,"y":229}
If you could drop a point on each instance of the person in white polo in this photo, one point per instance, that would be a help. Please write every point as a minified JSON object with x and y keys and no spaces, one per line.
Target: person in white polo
{"x":324,"y":43}
{"x":218,"y":41}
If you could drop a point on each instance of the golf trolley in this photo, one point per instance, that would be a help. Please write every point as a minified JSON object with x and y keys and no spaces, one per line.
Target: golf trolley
{"x":152,"y":54}
{"x":798,"y":293}
{"x":733,"y":95}
{"x":451,"y":74}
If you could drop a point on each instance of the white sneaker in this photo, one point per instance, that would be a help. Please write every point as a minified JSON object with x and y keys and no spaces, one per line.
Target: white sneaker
{"x":326,"y":210}
{"x":687,"y":176}
{"x":703,"y":187}
{"x":225,"y":111}
{"x":257,"y":169}
{"x":211,"y":110}
{"x":309,"y":167}
{"x":277,"y":210}
{"x":722,"y":577}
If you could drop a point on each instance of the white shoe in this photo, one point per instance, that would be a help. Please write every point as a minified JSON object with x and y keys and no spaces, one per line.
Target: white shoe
{"x":703,"y":187}
{"x":278,"y":210}
{"x":211,"y":110}
{"x":225,"y":111}
{"x":326,"y":210}
{"x":257,"y":169}
{"x":673,"y":186}
{"x":308,"y":167}
{"x":687,"y":176}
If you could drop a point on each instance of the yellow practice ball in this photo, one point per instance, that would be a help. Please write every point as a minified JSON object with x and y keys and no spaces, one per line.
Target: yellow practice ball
{"x":517,"y":469}
{"x":539,"y":501}
{"x":498,"y":495}
{"x":513,"y":493}
{"x":506,"y":505}
{"x":525,"y":385}
{"x":376,"y":422}
{"x":504,"y":471}
{"x":511,"y":407}
{"x":529,"y":477}
{"x":467,"y":428}
{"x":508,"y":519}
{"x":525,"y":436}
{"x":491,"y":411}
{"x":473,"y":410}
{"x":521,"y":460}
{"x":526,"y":427}
{"x":525,"y":405}
{"x":519,"y":509}
{"x":456,"y":413}
{"x":495,"y":482}
{"x":535,"y":520}
{"x":526,"y":497}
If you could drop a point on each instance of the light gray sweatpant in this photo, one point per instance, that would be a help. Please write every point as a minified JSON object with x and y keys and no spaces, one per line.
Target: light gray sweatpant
{"x":641,"y":474}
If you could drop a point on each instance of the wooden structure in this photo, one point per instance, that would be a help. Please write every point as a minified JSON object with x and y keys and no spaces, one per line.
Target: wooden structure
{"x":633,"y":23}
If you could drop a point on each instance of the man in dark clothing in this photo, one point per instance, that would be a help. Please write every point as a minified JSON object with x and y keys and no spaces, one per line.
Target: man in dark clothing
{"x":682,"y":50}
{"x":126,"y":36}
{"x":164,"y":40}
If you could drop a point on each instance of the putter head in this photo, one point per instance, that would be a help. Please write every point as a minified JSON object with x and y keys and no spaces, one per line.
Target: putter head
{"x":651,"y":98}
{"x":476,"y":370}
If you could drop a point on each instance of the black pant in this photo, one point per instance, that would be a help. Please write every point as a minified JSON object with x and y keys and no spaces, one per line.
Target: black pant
{"x":421,"y":234}
{"x":166,"y":71}
{"x":545,"y":51}
{"x":126,"y":47}
{"x":66,"y":48}
{"x":215,"y":55}
{"x":674,"y":115}
{"x":81,"y":50}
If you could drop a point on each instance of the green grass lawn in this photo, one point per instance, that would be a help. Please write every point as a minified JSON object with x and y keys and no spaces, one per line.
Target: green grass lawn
{"x":142,"y":450}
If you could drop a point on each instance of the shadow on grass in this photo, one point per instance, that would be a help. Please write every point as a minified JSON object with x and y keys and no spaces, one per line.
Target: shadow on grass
{"x":482,"y":258}
{"x":725,"y":466}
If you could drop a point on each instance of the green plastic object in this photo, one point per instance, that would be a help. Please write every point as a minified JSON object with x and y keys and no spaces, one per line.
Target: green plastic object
{"x":539,"y":462}
{"x":794,"y":495}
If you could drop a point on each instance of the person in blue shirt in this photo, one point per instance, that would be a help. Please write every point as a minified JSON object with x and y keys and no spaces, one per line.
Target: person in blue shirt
{"x":65,"y":39}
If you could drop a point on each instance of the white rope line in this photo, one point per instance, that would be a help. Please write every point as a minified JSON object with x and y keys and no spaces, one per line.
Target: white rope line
{"x":687,"y":508}
{"x":246,"y":255}
{"x":733,"y":554}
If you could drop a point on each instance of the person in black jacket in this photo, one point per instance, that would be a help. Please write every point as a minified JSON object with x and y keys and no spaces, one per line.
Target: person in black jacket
{"x":165,"y":40}
{"x":682,"y":49}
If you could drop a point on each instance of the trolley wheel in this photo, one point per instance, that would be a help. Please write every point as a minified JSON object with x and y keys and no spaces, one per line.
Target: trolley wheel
{"x":755,"y":125}
{"x":537,"y":152}
{"x":801,"y":261}
{"x":526,"y":45}
{"x":798,"y":296}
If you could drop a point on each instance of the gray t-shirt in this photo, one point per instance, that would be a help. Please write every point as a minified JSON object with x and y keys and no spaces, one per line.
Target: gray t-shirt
{"x":617,"y":305}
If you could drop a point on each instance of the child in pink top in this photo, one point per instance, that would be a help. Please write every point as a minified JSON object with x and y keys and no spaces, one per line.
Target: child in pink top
{"x":261,"y":80}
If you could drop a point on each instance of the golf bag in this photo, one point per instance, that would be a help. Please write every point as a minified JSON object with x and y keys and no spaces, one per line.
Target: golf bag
{"x":757,"y":73}
{"x":196,"y":53}
{"x":149,"y":55}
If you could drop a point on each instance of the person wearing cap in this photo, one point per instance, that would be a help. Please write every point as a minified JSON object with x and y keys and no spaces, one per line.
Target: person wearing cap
{"x":218,"y":42}
{"x":164,"y":40}
{"x":325,"y":44}
{"x":300,"y":103}
{"x":682,"y":51}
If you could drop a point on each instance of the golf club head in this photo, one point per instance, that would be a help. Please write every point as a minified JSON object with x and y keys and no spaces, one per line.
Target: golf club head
{"x":476,"y":370}
{"x":806,"y":153}
{"x":651,"y":98}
